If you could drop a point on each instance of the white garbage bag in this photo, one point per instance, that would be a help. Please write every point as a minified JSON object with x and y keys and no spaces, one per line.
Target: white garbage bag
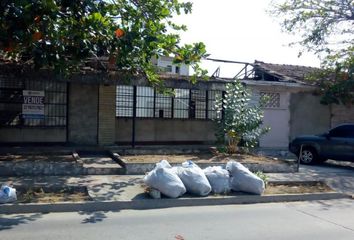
{"x":244,"y":180}
{"x":165,"y":179}
{"x":218,"y":178}
{"x":7,"y":194}
{"x":194,"y":179}
{"x":163,"y":164}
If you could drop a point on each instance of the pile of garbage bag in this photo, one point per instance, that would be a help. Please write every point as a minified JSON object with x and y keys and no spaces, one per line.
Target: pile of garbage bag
{"x":175,"y":181}
{"x":219,"y":179}
{"x":243,"y":179}
{"x":165,"y":179}
{"x":7,"y":194}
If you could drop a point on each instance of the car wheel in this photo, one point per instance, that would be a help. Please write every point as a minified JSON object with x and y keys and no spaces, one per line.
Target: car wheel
{"x":308,"y":156}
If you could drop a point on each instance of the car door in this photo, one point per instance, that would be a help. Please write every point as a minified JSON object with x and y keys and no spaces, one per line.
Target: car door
{"x":340,"y":144}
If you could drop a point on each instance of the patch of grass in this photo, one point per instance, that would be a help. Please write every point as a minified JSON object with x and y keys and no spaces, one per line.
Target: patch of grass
{"x":40,"y":195}
{"x":297,"y":188}
{"x":262,"y":176}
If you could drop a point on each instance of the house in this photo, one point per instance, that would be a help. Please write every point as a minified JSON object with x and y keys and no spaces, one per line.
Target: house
{"x":165,"y":65}
{"x":292,"y":108}
{"x":299,"y":108}
{"x":91,"y":107}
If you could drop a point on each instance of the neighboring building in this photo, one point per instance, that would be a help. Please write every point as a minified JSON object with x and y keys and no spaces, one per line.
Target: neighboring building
{"x":294,"y":107}
{"x":94,"y":108}
{"x":165,"y":65}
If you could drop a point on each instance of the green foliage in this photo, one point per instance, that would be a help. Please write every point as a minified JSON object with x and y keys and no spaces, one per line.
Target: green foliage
{"x":318,"y":22}
{"x":262,"y":176}
{"x":61,"y":34}
{"x":326,"y":27}
{"x":336,"y":85}
{"x":221,"y":149}
{"x":242,"y":122}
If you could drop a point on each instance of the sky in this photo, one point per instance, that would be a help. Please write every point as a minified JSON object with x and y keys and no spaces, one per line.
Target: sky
{"x":240,"y":30}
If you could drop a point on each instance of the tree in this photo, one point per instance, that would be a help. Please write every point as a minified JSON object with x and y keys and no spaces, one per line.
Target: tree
{"x":241,"y":121}
{"x":62,"y":34}
{"x":326,"y":27}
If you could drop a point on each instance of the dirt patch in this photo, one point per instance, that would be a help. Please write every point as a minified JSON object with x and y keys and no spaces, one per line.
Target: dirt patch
{"x":199,"y":158}
{"x":42,"y":195}
{"x":297,"y":188}
{"x":35,"y":157}
{"x":272,"y":189}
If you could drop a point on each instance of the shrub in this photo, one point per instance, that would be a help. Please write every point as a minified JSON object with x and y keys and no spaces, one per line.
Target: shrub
{"x":241,"y":121}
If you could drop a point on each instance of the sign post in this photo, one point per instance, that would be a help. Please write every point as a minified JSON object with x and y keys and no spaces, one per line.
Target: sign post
{"x":33,"y":104}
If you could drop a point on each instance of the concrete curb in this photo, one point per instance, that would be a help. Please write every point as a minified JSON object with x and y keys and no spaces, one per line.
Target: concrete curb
{"x":142,"y":168}
{"x":162,"y":203}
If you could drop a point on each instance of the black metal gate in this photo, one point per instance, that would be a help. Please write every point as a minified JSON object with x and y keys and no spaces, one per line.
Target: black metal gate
{"x":11,"y":100}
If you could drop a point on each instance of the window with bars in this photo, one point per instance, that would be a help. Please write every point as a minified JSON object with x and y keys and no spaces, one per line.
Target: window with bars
{"x":124,"y":103}
{"x":11,"y":100}
{"x":197,"y":105}
{"x":183,"y":104}
{"x":144,"y":102}
{"x":163,"y":105}
{"x":269,"y":100}
{"x":213,"y":96}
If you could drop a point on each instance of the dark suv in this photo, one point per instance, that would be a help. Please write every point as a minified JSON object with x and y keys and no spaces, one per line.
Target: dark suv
{"x":337,"y":144}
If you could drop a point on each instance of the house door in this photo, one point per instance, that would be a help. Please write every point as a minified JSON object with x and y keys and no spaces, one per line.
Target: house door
{"x":277,"y":117}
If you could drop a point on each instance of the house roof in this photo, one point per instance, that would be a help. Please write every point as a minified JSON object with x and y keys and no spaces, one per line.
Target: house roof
{"x":286,"y":73}
{"x":90,"y":72}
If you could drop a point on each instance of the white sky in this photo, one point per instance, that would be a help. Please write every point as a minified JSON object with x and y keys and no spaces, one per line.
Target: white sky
{"x":240,"y":30}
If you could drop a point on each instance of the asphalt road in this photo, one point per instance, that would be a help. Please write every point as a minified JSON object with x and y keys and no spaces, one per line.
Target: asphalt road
{"x":325,"y":220}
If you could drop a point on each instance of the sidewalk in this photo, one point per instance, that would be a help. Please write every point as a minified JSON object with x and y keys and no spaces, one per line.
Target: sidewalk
{"x":131,"y":187}
{"x":100,"y":187}
{"x":114,"y":193}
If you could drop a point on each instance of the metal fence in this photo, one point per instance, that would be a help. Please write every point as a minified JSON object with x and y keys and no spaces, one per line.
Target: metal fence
{"x":11,"y":101}
{"x":147,"y":102}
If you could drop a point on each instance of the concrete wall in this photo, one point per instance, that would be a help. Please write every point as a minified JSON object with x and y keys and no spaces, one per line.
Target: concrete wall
{"x":83,"y":107}
{"x":57,"y":134}
{"x":106,"y":115}
{"x":170,"y":130}
{"x":308,"y":116}
{"x":341,"y":114}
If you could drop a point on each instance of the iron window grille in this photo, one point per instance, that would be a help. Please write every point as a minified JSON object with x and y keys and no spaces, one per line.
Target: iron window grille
{"x":197,"y":105}
{"x":163,"y":105}
{"x":269,"y":100}
{"x":11,"y":100}
{"x":213,"y":97}
{"x":124,"y":103}
{"x":182,"y":104}
{"x":145,"y":102}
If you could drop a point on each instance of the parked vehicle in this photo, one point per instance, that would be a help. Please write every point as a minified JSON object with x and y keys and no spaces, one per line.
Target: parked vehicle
{"x":336,"y":144}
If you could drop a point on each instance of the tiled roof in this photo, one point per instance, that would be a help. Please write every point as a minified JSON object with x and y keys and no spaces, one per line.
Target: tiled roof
{"x":280,"y":72}
{"x":287,"y":73}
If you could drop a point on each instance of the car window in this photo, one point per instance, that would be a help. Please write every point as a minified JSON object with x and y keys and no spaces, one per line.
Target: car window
{"x":346,"y":131}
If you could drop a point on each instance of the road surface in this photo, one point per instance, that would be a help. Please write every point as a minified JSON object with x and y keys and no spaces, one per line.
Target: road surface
{"x":325,"y":220}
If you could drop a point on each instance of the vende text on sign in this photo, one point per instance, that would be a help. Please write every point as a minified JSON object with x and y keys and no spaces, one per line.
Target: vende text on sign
{"x":33,"y":104}
{"x":33,"y":100}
